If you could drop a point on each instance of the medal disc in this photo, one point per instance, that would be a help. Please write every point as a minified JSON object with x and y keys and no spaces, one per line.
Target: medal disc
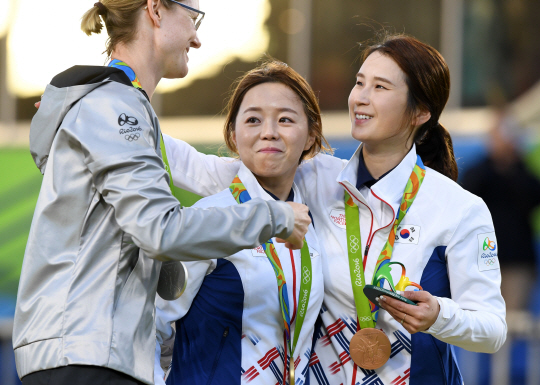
{"x":291,"y":374}
{"x":370,"y":348}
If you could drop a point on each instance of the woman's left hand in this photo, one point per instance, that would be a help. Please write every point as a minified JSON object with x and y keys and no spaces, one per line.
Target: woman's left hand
{"x":413,"y":318}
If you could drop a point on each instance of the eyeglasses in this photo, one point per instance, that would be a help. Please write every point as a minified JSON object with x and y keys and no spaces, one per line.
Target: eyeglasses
{"x":196,"y":20}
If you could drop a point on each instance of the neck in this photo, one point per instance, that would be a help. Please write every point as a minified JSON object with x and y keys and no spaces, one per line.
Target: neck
{"x":379,"y":160}
{"x":279,"y":186}
{"x":144,"y":67}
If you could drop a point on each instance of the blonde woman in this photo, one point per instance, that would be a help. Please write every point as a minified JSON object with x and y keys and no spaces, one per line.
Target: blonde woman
{"x":105,"y":216}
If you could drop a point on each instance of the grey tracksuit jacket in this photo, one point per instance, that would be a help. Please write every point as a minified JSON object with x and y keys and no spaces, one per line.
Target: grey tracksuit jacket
{"x":104,"y":220}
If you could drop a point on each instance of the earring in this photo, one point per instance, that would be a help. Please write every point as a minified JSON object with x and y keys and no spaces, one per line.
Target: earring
{"x":145,"y":7}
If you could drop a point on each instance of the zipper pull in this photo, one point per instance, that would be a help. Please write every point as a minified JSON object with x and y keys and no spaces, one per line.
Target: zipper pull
{"x":226,"y":332}
{"x":366,"y":251}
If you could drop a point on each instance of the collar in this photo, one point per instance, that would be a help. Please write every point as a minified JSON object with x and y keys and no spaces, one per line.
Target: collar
{"x":290,"y":198}
{"x":388,"y":189}
{"x":256,"y":191}
{"x":363,"y":176}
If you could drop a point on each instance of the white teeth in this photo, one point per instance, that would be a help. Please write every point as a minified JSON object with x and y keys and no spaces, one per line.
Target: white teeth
{"x":358,"y":116}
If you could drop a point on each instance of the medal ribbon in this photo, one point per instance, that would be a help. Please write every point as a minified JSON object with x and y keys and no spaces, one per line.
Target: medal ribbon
{"x":128,"y":71}
{"x":367,"y":314}
{"x":241,"y":195}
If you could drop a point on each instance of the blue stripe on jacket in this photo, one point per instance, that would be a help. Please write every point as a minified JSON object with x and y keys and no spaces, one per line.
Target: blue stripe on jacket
{"x":434,"y":361}
{"x":207,"y":348}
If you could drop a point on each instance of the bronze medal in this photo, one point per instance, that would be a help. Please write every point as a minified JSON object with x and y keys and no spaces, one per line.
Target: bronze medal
{"x":291,"y":373}
{"x":370,"y":348}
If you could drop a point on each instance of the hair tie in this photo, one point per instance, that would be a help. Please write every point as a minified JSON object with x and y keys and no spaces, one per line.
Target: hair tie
{"x":102,"y":8}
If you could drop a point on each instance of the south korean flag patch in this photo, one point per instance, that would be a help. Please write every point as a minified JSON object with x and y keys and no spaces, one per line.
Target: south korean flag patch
{"x":488,"y":252}
{"x":409,"y":234}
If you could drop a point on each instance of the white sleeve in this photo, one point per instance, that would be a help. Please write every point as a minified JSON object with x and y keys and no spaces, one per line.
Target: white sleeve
{"x":168,"y":312}
{"x":316,"y":177}
{"x":475,"y":318}
{"x":196,"y":172}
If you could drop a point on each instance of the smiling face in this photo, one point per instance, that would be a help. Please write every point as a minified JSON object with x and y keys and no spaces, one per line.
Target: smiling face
{"x":271,"y":131}
{"x":177,"y":36}
{"x":378,"y":103}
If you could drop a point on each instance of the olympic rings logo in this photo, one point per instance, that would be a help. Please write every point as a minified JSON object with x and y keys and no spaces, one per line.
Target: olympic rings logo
{"x":306,"y":275}
{"x":131,"y":138}
{"x":489,"y":262}
{"x":364,"y":319}
{"x":354,"y":245}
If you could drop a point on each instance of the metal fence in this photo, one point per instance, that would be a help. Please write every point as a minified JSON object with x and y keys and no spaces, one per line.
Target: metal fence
{"x":516,"y":363}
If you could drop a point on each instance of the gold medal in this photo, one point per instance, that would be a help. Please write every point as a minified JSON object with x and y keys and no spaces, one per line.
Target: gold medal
{"x":370,"y":348}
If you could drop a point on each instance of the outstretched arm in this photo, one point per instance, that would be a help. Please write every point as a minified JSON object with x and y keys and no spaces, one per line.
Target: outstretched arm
{"x":196,"y":172}
{"x":129,"y":175}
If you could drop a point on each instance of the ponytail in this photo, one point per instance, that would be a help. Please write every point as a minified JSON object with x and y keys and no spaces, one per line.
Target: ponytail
{"x":434,"y":145}
{"x":120,"y":17}
{"x":91,"y":22}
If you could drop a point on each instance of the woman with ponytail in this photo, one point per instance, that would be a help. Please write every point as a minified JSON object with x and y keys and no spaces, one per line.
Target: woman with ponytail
{"x":399,"y":215}
{"x":394,"y":217}
{"x":106,"y":218}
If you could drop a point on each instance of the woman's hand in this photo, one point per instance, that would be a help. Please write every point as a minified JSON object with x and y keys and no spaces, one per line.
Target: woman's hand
{"x":413,"y":318}
{"x":301,"y":224}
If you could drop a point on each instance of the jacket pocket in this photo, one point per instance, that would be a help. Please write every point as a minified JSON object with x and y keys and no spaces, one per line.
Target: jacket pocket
{"x":218,"y":354}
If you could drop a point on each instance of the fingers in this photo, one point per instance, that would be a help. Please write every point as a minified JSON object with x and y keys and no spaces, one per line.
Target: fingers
{"x":417,"y":318}
{"x":290,"y":245}
{"x":37,"y":104}
{"x":417,"y":295}
{"x":395,"y":306}
{"x":389,"y":304}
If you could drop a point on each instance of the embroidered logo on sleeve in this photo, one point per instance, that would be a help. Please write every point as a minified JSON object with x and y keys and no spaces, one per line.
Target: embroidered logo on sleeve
{"x":129,"y":131}
{"x":258,"y":252}
{"x":338,"y":218}
{"x":130,"y":120}
{"x":488,"y":252}
{"x":409,"y":234}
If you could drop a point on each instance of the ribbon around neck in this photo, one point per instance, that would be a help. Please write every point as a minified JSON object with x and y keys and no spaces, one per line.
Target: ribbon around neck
{"x":241,"y":195}
{"x":368,"y":312}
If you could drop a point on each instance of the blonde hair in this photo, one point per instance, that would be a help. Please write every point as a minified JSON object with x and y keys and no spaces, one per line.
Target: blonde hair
{"x":119,"y":17}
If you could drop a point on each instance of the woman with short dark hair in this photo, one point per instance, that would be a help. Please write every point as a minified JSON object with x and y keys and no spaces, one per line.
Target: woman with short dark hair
{"x":250,"y":317}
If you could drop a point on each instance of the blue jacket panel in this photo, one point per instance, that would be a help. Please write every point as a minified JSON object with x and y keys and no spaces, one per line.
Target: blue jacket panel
{"x":432,"y":359}
{"x":207,"y":348}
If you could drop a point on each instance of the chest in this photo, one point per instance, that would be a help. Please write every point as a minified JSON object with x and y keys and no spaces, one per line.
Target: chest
{"x":425,"y":227}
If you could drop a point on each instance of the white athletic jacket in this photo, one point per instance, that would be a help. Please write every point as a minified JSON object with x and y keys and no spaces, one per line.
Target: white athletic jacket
{"x":229,"y":327}
{"x":445,"y":255}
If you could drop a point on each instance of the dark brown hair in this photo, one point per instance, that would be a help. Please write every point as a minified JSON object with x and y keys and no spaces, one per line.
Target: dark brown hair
{"x":273,"y":71}
{"x":428,"y":81}
{"x":120,"y":18}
